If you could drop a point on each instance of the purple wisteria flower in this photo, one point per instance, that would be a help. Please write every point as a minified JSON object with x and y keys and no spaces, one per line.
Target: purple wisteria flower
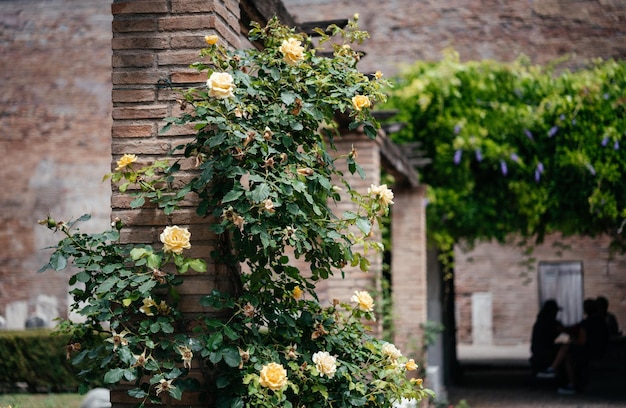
{"x":538,"y":171}
{"x":573,"y":121}
{"x":616,"y":145}
{"x":562,"y":117}
{"x":540,"y":167}
{"x":605,"y":141}
{"x":528,"y":134}
{"x":479,"y":155}
{"x":606,"y":96}
{"x":457,"y":156}
{"x":457,"y":129}
{"x":591,"y":169}
{"x":553,"y":131}
{"x":503,"y":167}
{"x":515,"y":157}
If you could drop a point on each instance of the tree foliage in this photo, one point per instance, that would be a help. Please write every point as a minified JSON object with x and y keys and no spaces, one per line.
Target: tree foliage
{"x":517,"y":148}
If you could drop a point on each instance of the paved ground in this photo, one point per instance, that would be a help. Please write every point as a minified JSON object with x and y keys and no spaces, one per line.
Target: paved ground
{"x":502,"y":378}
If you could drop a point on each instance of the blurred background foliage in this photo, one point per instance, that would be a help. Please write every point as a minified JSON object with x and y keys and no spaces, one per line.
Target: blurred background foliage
{"x":517,"y":148}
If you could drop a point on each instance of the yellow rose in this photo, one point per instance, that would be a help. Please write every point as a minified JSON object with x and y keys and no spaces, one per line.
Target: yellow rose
{"x":297,"y":293}
{"x":378,"y":74}
{"x":325,"y":363}
{"x":293,"y":51}
{"x":384,"y":195}
{"x":125,"y":161}
{"x":361,"y":101}
{"x":363,"y":300}
{"x":391,"y":351}
{"x":273,"y":376}
{"x":410,"y":365}
{"x":175,"y":239}
{"x":221,"y":85}
{"x":211,"y":39}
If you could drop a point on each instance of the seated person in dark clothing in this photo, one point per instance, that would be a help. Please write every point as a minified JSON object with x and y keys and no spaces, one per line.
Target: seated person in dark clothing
{"x":587,"y":340}
{"x":545,"y":331}
{"x":609,"y":318}
{"x":593,"y":338}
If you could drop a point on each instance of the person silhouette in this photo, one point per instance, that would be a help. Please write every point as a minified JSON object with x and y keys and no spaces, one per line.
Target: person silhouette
{"x":545,"y":331}
{"x":609,"y":318}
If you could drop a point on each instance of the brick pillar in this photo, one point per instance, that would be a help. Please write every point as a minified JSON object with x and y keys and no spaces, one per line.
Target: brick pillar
{"x":336,"y":287}
{"x":154,"y":41}
{"x":408,"y":269}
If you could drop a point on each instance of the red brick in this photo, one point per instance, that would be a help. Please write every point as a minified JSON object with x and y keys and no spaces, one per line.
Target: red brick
{"x":187,"y":40}
{"x":140,"y":7}
{"x":178,"y":57}
{"x":140,"y":112}
{"x":134,"y":25}
{"x":143,"y":130}
{"x":140,"y":43}
{"x":193,"y":6}
{"x":188,"y":77}
{"x":188,"y":22}
{"x":132,"y":59}
{"x":133,"y":95}
{"x":138,"y":77}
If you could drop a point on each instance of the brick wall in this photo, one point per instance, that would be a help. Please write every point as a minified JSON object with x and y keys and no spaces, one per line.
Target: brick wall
{"x":55,"y":120}
{"x":403,"y":31}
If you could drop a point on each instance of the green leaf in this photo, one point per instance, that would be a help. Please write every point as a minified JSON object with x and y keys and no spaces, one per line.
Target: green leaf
{"x":288,"y":97}
{"x":198,"y":265}
{"x":176,"y":393}
{"x":232,"y":195}
{"x":114,"y":375}
{"x":230,"y":333}
{"x":260,"y":193}
{"x":58,"y":261}
{"x":364,"y":225}
{"x":222,"y":382}
{"x":83,"y":277}
{"x":154,"y":261}
{"x":107,"y":285}
{"x":215,"y":341}
{"x":137,"y":202}
{"x":137,"y":393}
{"x":137,"y":253}
{"x":231,"y":357}
{"x":147,"y":286}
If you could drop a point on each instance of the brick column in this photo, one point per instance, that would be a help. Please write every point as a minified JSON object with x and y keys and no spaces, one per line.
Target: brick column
{"x":337,"y":287}
{"x":408,"y":268}
{"x":153,"y":44}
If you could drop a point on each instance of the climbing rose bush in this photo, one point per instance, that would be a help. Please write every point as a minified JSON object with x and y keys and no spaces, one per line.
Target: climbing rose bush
{"x":265,"y":123}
